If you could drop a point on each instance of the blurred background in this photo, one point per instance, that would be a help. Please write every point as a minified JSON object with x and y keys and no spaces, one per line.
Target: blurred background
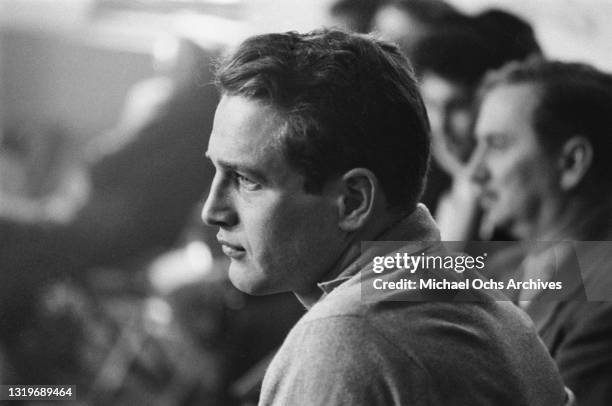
{"x":108,"y":279}
{"x":66,"y":66}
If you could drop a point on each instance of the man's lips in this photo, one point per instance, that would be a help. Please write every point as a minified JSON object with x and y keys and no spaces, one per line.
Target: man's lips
{"x":231,"y":250}
{"x":487,"y":198}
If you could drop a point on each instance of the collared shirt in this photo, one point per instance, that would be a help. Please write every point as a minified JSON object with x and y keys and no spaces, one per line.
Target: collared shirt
{"x":418,"y":226}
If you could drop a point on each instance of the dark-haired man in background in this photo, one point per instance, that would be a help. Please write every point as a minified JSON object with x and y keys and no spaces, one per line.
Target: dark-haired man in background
{"x":320,"y":142}
{"x":543,"y":166}
{"x":451,"y":63}
{"x":406,"y":22}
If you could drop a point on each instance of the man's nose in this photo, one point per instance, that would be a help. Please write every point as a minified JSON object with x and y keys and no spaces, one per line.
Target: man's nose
{"x":477,"y":168}
{"x":218,"y":209}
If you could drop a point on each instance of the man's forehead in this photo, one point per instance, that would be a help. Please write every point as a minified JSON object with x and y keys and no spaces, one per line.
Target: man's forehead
{"x":244,"y":125}
{"x":507,"y":107}
{"x":247,"y":136}
{"x":521,"y":96}
{"x":436,"y":86}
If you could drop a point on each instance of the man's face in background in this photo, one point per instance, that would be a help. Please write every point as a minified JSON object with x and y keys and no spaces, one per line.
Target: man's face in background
{"x":518,"y":179}
{"x":449,"y":107}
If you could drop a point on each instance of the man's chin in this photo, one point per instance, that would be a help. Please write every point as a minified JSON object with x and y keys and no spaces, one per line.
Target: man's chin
{"x":494,"y":221}
{"x":247,"y":282}
{"x":491,"y":222}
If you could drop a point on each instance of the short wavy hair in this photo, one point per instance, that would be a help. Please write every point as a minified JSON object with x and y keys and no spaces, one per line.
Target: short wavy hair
{"x":348,"y":100}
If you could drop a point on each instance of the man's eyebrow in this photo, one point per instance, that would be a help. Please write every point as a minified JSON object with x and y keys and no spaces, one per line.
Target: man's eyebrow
{"x":496,"y":134}
{"x":239,"y":168}
{"x":488,"y":134}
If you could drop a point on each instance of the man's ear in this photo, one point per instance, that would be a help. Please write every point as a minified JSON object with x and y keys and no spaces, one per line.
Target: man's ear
{"x":359,"y":188}
{"x":575,"y":160}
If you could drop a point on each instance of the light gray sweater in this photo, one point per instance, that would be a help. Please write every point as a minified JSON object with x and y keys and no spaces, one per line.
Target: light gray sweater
{"x":392,"y":350}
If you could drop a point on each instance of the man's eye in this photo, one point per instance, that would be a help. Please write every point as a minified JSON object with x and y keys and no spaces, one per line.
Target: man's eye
{"x":498,"y":143}
{"x":246,"y":183}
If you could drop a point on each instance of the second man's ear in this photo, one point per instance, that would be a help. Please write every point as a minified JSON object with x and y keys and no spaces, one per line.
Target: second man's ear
{"x":357,"y":198}
{"x":576,"y":159}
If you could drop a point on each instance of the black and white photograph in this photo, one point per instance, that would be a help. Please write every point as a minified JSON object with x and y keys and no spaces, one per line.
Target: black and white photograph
{"x":306,"y":202}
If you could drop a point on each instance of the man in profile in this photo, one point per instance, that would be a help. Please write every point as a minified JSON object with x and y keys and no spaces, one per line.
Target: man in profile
{"x":543,"y":165}
{"x":321,"y":141}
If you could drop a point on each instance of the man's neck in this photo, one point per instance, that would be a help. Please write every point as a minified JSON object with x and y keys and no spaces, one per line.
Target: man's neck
{"x":350,"y":254}
{"x":577,"y":219}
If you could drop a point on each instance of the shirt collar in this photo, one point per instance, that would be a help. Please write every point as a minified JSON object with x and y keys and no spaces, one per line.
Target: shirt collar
{"x":417,"y":226}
